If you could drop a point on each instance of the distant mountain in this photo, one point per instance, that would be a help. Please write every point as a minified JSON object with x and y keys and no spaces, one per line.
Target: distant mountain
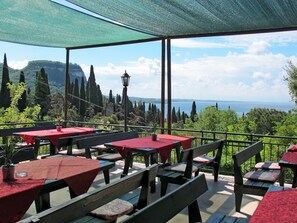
{"x":55,"y":71}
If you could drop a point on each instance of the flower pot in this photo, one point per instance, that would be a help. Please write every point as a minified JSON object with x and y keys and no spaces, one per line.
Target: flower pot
{"x":59,"y":128}
{"x":8,"y":173}
{"x":154,"y":137}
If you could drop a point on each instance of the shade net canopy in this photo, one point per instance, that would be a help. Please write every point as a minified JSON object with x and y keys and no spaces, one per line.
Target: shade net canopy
{"x":182,"y":18}
{"x":47,"y":23}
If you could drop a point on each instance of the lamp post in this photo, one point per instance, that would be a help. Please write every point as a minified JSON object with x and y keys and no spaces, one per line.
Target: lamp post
{"x":125,"y":81}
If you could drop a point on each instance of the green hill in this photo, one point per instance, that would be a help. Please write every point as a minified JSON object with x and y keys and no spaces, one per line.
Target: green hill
{"x":55,"y":71}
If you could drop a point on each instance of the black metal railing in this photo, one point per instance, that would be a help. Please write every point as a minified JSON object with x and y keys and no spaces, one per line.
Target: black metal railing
{"x":274,"y":146}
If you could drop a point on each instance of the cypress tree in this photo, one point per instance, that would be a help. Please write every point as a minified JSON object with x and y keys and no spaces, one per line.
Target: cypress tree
{"x":82,"y":104}
{"x":184,"y":117}
{"x":100,"y":99}
{"x":178,"y":115}
{"x":75,"y":100}
{"x":5,"y":93}
{"x":118,"y":99}
{"x":110,"y":97}
{"x":22,"y":102}
{"x":92,"y":91}
{"x":174,"y":117}
{"x":42,"y":92}
{"x":193,"y":112}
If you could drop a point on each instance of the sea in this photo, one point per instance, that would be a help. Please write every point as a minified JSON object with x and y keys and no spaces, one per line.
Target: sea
{"x":240,"y":107}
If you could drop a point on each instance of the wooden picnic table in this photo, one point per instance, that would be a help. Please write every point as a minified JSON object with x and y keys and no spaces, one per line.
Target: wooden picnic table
{"x":276,"y":206}
{"x":289,"y":160}
{"x":40,"y":177}
{"x":146,"y":146}
{"x":34,"y":137}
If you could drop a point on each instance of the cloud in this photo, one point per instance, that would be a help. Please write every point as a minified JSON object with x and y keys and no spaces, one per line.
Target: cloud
{"x":257,"y":75}
{"x":232,"y":77}
{"x":18,"y":64}
{"x":232,"y":68}
{"x":244,"y":77}
{"x":258,"y":47}
{"x":192,"y":43}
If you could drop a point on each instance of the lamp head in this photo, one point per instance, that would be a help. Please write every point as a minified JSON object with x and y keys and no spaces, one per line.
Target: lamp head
{"x":125,"y":79}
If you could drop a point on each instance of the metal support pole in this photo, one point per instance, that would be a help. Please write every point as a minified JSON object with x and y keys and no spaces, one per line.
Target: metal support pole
{"x":66,"y":87}
{"x":126,"y":108}
{"x":169,"y":85}
{"x":163,"y":87}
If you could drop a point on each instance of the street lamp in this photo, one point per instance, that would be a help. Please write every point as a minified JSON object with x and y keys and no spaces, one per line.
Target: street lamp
{"x":125,"y":81}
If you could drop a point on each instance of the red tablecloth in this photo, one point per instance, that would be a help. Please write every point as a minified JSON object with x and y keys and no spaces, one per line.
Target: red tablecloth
{"x":52,"y":134}
{"x":16,"y":197}
{"x":186,"y":141}
{"x":278,"y":206}
{"x":78,"y":173}
{"x":290,"y":157}
{"x":162,"y":144}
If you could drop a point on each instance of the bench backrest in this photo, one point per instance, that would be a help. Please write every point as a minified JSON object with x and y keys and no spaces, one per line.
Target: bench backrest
{"x":71,"y":140}
{"x":83,"y":204}
{"x":11,"y":131}
{"x":172,"y":203}
{"x":244,"y":155}
{"x":101,"y":139}
{"x":188,"y":155}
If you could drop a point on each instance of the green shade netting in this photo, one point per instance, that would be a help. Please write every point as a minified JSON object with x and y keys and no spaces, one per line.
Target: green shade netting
{"x":45,"y":23}
{"x":176,"y":18}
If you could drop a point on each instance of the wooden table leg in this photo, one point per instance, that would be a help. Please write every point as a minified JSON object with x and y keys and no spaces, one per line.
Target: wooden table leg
{"x":42,"y":202}
{"x":128,"y":161}
{"x":294,"y":183}
{"x":52,"y":149}
{"x":36,"y":146}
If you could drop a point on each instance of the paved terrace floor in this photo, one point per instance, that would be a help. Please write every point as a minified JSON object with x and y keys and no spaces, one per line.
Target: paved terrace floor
{"x":219,"y":197}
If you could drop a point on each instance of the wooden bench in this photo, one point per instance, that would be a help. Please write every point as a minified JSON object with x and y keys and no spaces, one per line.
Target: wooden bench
{"x":99,"y":141}
{"x":254,"y":182}
{"x":66,"y":144}
{"x":26,"y":151}
{"x":191,"y":160}
{"x":6,"y":133}
{"x":165,"y":208}
{"x":78,"y":209}
{"x":42,"y":202}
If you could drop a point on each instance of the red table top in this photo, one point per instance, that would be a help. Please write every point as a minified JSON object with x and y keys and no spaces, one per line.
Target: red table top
{"x":186,"y":141}
{"x":290,"y":157}
{"x":276,"y":206}
{"x":52,"y":134}
{"x":17,"y":196}
{"x":164,"y":144}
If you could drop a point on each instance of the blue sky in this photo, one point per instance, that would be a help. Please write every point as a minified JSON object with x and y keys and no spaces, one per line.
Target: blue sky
{"x":243,"y":67}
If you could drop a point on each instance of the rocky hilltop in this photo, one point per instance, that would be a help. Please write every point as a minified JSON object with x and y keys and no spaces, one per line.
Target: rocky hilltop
{"x":54,"y":69}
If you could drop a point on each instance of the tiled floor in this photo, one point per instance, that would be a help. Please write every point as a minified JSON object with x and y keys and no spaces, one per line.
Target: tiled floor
{"x":218,"y":198}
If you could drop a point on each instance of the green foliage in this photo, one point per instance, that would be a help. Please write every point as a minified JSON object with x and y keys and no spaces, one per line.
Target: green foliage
{"x":56,"y":108}
{"x":4,"y":93}
{"x":209,"y":119}
{"x":12,"y":114}
{"x":82,"y":95}
{"x":92,"y":91}
{"x":75,"y":99}
{"x":291,"y":78}
{"x":22,"y":102}
{"x":7,"y":152}
{"x":42,"y":92}
{"x":265,"y":119}
{"x":287,"y":127}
